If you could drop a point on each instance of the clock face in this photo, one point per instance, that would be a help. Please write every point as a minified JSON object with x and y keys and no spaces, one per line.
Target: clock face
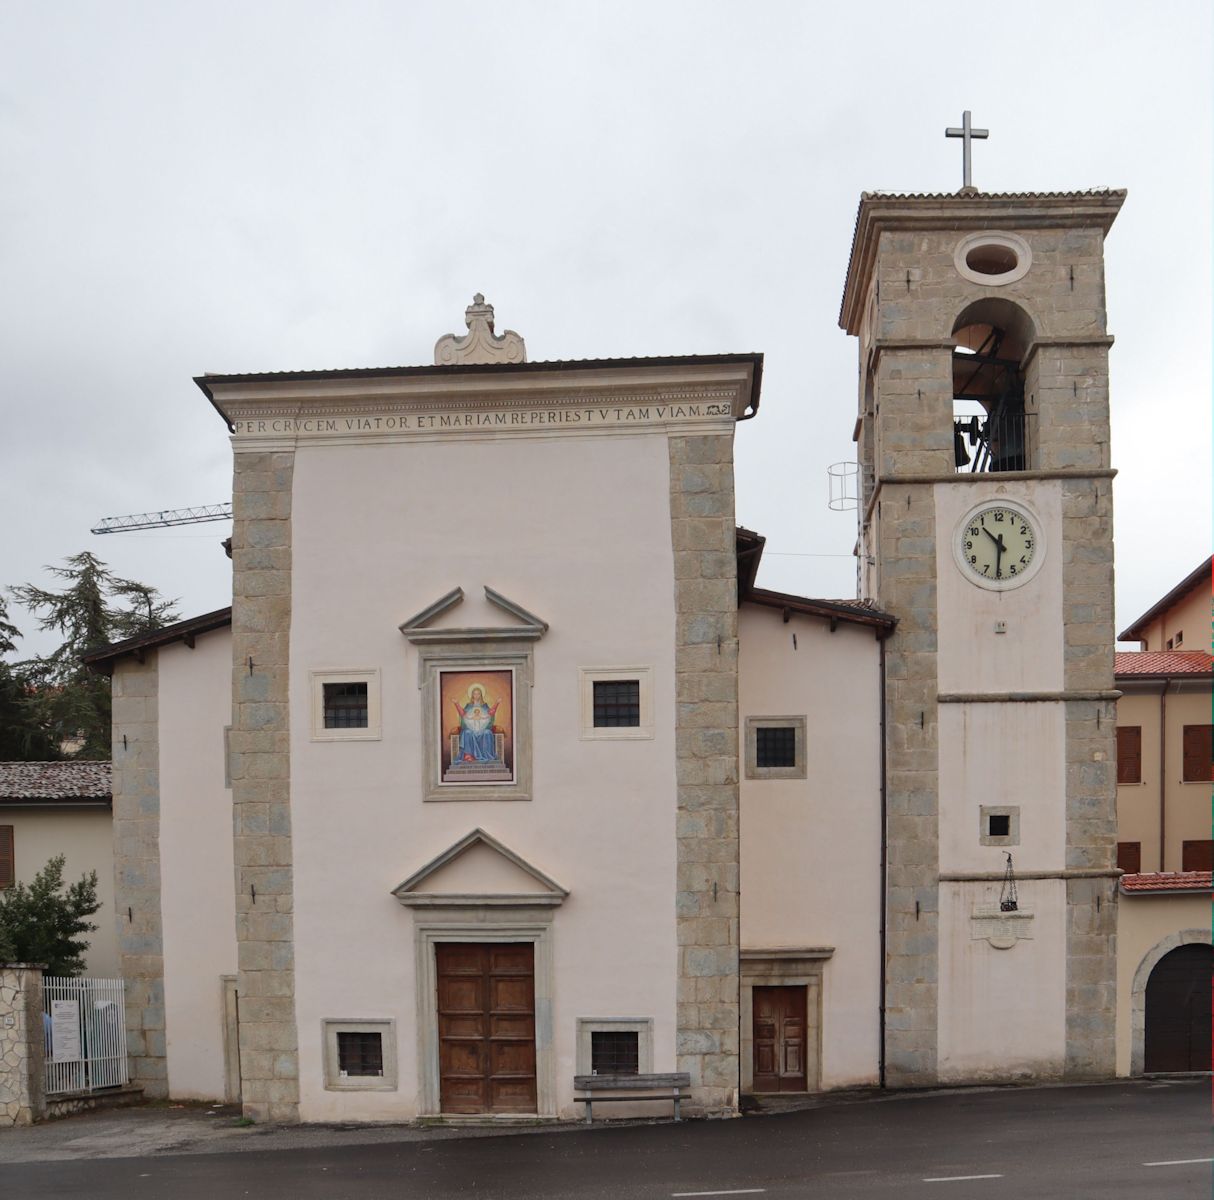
{"x":998,"y":546}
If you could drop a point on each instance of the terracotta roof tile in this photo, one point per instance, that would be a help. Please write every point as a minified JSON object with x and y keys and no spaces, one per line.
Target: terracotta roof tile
{"x":54,"y":781}
{"x":1166,"y":881}
{"x":1162,"y":662}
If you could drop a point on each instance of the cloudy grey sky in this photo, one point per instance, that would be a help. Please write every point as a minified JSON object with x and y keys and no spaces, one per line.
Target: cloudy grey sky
{"x":190,"y":187}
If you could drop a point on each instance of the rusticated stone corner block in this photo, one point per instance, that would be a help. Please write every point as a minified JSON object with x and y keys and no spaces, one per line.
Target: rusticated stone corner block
{"x":261,"y":776}
{"x":706,"y":746}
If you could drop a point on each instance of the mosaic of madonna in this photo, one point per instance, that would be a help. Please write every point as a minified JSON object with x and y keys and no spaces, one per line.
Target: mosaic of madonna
{"x":476,"y":726}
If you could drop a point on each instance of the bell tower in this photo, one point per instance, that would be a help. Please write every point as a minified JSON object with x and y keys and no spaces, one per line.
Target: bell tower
{"x":986,"y":528}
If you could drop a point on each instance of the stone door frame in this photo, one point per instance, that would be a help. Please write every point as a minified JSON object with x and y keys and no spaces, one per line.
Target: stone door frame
{"x":482,"y":925}
{"x":1138,"y":989}
{"x":783,"y":968}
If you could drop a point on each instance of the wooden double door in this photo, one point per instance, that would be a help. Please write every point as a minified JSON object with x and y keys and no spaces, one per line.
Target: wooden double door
{"x":486,"y":1027}
{"x":780,"y":1041}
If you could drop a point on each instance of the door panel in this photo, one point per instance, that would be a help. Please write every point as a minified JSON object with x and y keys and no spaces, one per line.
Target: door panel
{"x":779,"y":1039}
{"x":486,"y":1027}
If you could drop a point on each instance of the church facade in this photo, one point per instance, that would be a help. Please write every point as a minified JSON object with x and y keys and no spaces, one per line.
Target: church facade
{"x":519,"y":775}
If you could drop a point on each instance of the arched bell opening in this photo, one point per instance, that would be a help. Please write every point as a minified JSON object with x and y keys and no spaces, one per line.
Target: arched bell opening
{"x":990,"y":423}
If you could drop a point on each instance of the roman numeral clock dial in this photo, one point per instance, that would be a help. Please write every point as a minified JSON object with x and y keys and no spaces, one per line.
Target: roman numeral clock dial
{"x":998,"y":546}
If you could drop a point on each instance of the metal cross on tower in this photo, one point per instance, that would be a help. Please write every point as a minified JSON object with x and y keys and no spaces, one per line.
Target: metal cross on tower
{"x":967,"y":133}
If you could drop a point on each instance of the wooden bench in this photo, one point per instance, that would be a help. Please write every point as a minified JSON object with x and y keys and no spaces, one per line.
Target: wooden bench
{"x":655,"y":1087}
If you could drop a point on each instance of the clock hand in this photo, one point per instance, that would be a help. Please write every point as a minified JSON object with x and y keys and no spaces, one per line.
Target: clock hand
{"x":999,"y":556}
{"x":990,"y":535}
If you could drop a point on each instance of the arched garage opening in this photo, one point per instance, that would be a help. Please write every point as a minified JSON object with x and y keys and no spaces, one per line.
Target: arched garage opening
{"x":1177,"y":1010}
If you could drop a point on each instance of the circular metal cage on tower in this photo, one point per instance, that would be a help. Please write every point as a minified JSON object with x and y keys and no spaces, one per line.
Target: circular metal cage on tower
{"x":844,"y":480}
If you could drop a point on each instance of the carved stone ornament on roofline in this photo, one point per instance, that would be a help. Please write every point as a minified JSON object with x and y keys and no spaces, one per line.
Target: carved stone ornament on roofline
{"x":480,"y":344}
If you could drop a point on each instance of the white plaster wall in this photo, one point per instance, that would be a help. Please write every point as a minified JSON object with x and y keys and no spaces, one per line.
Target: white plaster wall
{"x":810,"y":849}
{"x":1002,"y":1013}
{"x":577,"y":530}
{"x":84,"y":837}
{"x":972,"y":657}
{"x":1003,"y":754}
{"x":197,"y":899}
{"x":1142,"y":923}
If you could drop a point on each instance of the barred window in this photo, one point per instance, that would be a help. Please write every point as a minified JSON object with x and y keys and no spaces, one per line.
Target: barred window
{"x":360,"y":1053}
{"x":775,"y":746}
{"x":614,"y":1052}
{"x":345,"y":705}
{"x":617,"y":703}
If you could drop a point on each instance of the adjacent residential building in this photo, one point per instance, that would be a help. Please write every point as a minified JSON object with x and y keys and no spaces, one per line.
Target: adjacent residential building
{"x":1163,"y":830}
{"x":52,"y":808}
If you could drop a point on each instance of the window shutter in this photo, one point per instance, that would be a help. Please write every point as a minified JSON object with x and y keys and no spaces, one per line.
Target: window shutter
{"x":1197,"y":753}
{"x":1129,"y":857}
{"x":1129,"y":753}
{"x":1197,"y":856}
{"x":8,"y":863}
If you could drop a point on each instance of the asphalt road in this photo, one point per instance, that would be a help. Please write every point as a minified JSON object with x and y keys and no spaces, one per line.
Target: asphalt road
{"x":1107,"y":1141}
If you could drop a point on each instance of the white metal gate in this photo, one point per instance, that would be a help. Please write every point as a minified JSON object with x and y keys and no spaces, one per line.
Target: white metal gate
{"x":84,"y":1024}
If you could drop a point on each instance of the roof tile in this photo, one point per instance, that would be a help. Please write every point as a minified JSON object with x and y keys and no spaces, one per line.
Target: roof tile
{"x":1162,"y":662}
{"x":55,"y":781}
{"x":1166,"y":881}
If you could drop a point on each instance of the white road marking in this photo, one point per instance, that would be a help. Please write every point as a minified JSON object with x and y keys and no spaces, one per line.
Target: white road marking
{"x":959,"y":1178}
{"x":734,"y":1192}
{"x":1178,"y":1162}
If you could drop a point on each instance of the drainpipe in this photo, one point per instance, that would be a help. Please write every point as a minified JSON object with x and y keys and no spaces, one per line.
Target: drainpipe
{"x":1163,"y":772}
{"x":884,"y":889}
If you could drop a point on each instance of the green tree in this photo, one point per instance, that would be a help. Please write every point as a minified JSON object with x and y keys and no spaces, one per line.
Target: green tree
{"x":44,"y":922}
{"x":21,"y":736}
{"x":94,"y":608}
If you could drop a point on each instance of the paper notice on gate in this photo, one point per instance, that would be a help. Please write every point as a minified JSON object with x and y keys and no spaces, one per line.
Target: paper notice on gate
{"x":65,"y":1031}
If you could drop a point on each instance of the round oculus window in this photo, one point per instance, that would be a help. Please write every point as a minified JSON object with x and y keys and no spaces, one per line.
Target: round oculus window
{"x":992,"y":258}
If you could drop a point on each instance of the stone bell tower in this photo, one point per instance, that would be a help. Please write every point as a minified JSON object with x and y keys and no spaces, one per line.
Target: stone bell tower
{"x":986,"y":529}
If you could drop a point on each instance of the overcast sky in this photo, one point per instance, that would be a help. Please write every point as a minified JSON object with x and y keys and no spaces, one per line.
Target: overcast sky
{"x":190,"y":187}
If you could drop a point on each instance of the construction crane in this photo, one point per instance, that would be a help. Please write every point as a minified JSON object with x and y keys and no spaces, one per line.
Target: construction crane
{"x":162,"y":520}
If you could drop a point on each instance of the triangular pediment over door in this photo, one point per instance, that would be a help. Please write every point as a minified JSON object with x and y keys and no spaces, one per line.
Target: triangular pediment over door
{"x":479,"y":871}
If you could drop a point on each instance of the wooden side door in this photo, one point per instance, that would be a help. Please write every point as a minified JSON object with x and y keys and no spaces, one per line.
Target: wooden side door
{"x":1177,"y":1034}
{"x":486,"y":1027}
{"x":779,"y":1039}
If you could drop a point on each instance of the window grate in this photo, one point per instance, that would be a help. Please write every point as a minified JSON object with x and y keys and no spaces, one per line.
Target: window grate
{"x":617,"y":703}
{"x":775,"y":746}
{"x":345,"y":705}
{"x":360,"y":1053}
{"x":614,"y":1052}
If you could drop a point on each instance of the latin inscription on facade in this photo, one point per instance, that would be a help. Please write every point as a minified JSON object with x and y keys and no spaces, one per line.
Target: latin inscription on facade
{"x":483,"y":420}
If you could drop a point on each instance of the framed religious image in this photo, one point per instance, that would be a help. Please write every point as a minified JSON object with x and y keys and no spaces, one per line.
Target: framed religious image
{"x":476,"y":727}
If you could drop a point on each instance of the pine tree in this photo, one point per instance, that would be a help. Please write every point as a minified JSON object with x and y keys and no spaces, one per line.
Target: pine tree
{"x":41,"y":922}
{"x":95,"y":608}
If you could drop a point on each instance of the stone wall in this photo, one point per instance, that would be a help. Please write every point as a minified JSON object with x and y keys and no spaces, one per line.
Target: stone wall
{"x":706,"y":750}
{"x":260,"y":773}
{"x":136,"y":800}
{"x":22,"y":1045}
{"x":908,"y":588}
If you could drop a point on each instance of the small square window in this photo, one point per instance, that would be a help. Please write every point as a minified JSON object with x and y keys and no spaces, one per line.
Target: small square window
{"x":359,"y":1055}
{"x":617,"y":703}
{"x":775,"y":748}
{"x":345,"y":706}
{"x":999,"y":825}
{"x":614,"y":1052}
{"x":614,"y":1045}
